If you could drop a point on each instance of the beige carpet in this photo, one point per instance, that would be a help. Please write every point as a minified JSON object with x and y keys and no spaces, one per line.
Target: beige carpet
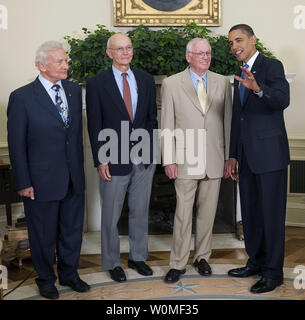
{"x":191,"y":287}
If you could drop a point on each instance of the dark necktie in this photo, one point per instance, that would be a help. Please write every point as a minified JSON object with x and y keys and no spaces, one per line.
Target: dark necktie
{"x":241,"y":86}
{"x":127,"y":96}
{"x":61,"y":107}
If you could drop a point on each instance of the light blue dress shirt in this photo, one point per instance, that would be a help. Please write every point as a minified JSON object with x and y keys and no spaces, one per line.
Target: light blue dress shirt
{"x":195,"y":77}
{"x":52,"y":93}
{"x":132,"y":85}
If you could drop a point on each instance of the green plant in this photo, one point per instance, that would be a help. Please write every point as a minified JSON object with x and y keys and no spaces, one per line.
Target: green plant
{"x":159,"y":52}
{"x":88,"y":56}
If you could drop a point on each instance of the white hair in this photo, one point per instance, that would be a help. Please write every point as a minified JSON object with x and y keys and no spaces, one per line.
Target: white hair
{"x":41,"y":53}
{"x":193,"y":41}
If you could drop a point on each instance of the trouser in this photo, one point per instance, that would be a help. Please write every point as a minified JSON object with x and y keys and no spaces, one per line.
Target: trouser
{"x":138,"y":185}
{"x":263,"y":207}
{"x":55,"y":225}
{"x":207,"y":198}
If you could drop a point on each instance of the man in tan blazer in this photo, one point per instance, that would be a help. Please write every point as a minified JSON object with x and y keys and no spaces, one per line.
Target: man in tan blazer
{"x":195,"y":120}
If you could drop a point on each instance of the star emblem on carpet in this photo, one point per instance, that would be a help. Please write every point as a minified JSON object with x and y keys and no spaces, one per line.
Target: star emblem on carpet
{"x":184,"y":287}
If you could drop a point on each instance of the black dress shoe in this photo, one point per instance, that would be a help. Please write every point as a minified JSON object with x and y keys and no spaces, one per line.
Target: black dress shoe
{"x":141,"y":267}
{"x":203,"y":267}
{"x":173,"y":275}
{"x":49,"y":292}
{"x":266,"y":285}
{"x":243,"y":272}
{"x":117,"y":274}
{"x":77,"y":285}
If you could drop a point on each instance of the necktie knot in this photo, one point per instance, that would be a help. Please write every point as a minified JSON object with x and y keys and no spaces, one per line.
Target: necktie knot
{"x":56,"y":87}
{"x":242,"y":73}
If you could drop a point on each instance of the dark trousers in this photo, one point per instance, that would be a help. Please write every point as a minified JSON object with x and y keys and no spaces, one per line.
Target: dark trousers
{"x":263,"y":208}
{"x":55,"y":225}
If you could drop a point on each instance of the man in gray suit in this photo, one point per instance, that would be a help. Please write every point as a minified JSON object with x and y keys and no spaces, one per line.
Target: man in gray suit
{"x":122,"y":101}
{"x":197,"y":109}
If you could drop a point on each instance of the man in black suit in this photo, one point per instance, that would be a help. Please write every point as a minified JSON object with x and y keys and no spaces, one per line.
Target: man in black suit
{"x":46,"y":152}
{"x":121,"y":103}
{"x":260,"y":146}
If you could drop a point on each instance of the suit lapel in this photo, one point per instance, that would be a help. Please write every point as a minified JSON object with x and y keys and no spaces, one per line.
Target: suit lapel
{"x":45,"y":100}
{"x":69,"y":98}
{"x":114,"y":92}
{"x":141,"y":91}
{"x":188,"y":87}
{"x":211,"y":89}
{"x":236,"y":95}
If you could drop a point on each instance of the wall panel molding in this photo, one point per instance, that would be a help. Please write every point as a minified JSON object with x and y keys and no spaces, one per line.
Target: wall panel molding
{"x":296,"y":201}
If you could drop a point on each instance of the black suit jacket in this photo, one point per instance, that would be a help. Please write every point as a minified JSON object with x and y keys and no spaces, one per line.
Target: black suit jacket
{"x":44,"y":153}
{"x":106,"y":110}
{"x":258,"y":124}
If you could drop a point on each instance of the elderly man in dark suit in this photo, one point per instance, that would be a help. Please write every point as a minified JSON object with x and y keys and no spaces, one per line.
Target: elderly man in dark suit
{"x":259,"y":143}
{"x":46,"y":152}
{"x":122,"y":102}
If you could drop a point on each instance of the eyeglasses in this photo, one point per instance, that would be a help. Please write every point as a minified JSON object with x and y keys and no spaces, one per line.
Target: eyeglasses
{"x":202,"y":53}
{"x":122,"y":49}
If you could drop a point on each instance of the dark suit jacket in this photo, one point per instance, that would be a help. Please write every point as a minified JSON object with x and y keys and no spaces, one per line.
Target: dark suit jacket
{"x":106,"y":110}
{"x":43,"y":153}
{"x":258,"y":124}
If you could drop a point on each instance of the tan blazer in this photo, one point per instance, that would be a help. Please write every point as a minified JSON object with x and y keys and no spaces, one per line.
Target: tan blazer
{"x":181,"y":110}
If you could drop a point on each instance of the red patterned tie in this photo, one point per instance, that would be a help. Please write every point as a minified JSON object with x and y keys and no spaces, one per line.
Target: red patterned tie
{"x":127,"y":96}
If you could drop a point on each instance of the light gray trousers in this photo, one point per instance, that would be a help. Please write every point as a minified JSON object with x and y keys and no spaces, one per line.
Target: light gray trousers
{"x":138,"y":185}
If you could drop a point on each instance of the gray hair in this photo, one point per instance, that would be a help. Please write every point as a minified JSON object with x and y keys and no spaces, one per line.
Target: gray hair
{"x":41,"y":53}
{"x":193,"y":41}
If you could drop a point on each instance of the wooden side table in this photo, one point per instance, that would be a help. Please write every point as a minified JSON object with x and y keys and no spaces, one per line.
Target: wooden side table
{"x":5,"y":176}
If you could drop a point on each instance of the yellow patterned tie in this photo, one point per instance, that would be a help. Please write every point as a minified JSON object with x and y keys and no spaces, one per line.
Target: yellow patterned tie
{"x":202,"y":95}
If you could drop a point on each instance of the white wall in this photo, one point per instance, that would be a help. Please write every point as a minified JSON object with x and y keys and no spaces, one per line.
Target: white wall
{"x":31,"y":22}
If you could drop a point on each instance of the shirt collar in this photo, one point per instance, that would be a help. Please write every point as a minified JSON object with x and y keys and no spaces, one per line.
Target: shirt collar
{"x":48,"y":84}
{"x":195,"y":75}
{"x":118,"y":73}
{"x":252,"y":60}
